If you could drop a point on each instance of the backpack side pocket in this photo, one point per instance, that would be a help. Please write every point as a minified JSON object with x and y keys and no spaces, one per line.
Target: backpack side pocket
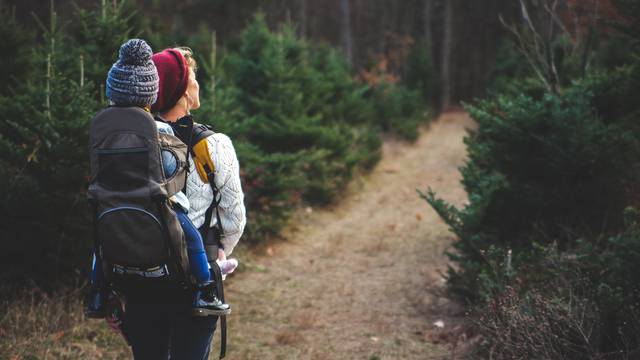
{"x":131,"y":236}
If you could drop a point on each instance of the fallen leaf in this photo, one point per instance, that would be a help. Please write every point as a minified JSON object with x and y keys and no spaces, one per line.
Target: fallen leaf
{"x":57,"y":336}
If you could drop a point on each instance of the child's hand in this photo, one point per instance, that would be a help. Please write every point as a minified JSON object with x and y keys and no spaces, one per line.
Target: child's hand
{"x":227,"y":266}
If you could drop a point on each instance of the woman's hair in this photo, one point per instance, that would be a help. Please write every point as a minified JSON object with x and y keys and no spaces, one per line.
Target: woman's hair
{"x":188,"y":55}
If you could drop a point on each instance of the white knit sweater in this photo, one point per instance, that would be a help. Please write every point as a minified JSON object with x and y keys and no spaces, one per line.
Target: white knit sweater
{"x":227,"y":179}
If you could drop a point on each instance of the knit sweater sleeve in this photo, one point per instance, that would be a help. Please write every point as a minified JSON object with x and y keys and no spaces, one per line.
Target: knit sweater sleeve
{"x":227,"y":179}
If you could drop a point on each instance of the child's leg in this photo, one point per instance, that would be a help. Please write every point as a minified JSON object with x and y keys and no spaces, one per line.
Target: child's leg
{"x":96,"y":297}
{"x":97,"y":274}
{"x":195,"y":249}
{"x":205,"y":301}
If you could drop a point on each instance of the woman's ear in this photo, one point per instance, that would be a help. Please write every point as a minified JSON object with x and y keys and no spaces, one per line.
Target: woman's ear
{"x":185,"y":100}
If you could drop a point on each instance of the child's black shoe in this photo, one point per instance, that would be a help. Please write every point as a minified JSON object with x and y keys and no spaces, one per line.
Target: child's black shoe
{"x":207,"y":303}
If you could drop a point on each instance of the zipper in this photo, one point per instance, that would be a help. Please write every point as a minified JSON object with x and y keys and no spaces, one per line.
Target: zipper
{"x":107,"y":212}
{"x":122,"y":150}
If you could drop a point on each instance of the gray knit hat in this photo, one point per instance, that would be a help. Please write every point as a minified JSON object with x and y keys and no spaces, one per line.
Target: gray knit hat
{"x":133,"y":79}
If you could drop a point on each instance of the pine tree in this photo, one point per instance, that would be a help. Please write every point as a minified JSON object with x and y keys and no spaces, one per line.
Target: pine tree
{"x":16,"y":64}
{"x":45,"y":133}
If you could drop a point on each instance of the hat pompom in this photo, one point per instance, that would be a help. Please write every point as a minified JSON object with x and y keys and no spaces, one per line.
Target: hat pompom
{"x":135,"y":52}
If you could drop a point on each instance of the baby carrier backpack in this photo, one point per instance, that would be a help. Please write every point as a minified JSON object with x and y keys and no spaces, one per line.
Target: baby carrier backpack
{"x":136,"y":230}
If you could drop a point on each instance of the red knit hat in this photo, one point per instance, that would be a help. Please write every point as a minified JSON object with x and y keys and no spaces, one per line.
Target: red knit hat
{"x":173,"y":71}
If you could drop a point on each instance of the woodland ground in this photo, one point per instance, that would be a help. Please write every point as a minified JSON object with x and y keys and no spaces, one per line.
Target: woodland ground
{"x":358,"y":280}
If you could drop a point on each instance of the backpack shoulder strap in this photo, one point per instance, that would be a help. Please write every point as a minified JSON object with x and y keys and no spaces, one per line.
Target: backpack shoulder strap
{"x":200,"y":152}
{"x":206,"y":170}
{"x":200,"y":132}
{"x":204,"y":164}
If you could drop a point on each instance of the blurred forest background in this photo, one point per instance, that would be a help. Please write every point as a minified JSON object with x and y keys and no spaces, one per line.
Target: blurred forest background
{"x":328,"y":76}
{"x":547,"y":251}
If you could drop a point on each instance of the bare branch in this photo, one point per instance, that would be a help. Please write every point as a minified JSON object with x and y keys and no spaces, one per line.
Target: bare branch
{"x":524,"y":50}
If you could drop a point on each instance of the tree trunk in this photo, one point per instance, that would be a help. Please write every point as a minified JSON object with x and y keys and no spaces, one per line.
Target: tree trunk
{"x":345,"y":17}
{"x":447,"y":44}
{"x":302,"y":18}
{"x":428,"y":34}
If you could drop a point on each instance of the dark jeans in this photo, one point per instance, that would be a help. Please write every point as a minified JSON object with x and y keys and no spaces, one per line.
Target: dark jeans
{"x":159,"y":326}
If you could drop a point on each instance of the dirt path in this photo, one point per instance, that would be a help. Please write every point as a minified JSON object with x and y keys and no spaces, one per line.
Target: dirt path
{"x":357,"y":281}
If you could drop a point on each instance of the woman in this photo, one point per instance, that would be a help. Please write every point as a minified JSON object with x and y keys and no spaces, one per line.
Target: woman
{"x":177,"y":96}
{"x":157,"y":325}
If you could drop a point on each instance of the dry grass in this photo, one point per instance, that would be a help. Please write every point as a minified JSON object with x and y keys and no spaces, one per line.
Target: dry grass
{"x":289,"y":336}
{"x":37,"y":325}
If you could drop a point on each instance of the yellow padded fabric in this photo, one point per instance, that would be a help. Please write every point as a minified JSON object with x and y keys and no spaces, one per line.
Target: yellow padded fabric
{"x":201,"y":158}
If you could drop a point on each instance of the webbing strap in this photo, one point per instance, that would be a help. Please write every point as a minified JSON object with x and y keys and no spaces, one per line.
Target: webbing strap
{"x":217,"y":277}
{"x":155,"y":272}
{"x":200,"y":132}
{"x":214,"y":205}
{"x":217,"y":274}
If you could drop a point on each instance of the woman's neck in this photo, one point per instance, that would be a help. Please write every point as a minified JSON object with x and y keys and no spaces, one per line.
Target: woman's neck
{"x":172,"y":115}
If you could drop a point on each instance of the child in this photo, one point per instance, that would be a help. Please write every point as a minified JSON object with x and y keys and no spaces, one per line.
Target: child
{"x":125,"y":89}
